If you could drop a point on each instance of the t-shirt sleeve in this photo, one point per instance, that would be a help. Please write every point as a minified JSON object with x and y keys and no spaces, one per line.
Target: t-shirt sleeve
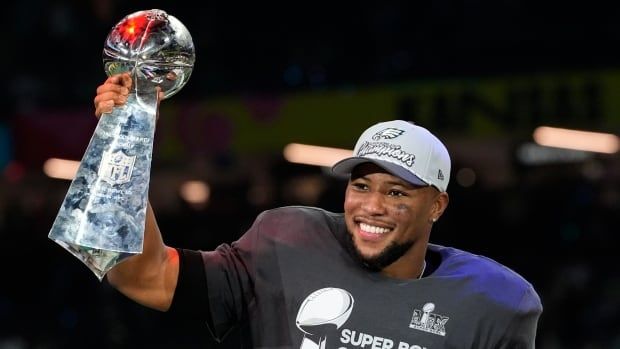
{"x":217,"y":286}
{"x":212,"y":286}
{"x":229,"y":289}
{"x":190,"y":296}
{"x":521,"y":332}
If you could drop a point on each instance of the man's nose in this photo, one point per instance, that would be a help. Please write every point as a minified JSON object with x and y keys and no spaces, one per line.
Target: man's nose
{"x":374,"y":203}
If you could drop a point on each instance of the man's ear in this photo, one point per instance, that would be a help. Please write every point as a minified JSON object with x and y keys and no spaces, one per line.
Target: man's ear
{"x":439,"y":206}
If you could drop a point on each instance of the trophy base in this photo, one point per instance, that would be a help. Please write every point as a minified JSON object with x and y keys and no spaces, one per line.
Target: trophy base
{"x":97,"y":260}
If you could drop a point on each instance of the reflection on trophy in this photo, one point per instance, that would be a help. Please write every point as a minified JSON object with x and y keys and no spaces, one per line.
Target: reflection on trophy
{"x":101,"y":220}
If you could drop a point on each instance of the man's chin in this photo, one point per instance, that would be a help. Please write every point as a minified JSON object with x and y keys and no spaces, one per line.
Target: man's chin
{"x":368,"y":253}
{"x":377,"y":260}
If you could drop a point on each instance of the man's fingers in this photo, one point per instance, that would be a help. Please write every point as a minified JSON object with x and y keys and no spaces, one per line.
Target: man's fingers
{"x":112,"y":88}
{"x":126,"y":80}
{"x":117,"y":97}
{"x":105,"y":101}
{"x":104,"y":107}
{"x":160,"y":94}
{"x":123,"y":79}
{"x":120,"y":83}
{"x":114,"y":92}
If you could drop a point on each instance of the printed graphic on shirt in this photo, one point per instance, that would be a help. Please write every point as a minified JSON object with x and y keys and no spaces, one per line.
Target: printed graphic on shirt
{"x":321,"y":312}
{"x":322,"y":315}
{"x":425,"y":320}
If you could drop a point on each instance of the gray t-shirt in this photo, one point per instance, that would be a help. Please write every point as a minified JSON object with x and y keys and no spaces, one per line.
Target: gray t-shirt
{"x":290,"y":281}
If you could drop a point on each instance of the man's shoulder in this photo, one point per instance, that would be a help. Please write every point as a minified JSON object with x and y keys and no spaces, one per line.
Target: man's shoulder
{"x":460,"y":262}
{"x":298,"y":219}
{"x":487,"y":276}
{"x":286,"y":213}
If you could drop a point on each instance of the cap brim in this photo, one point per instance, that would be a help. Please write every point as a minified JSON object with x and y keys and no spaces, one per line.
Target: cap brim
{"x":345,"y":166}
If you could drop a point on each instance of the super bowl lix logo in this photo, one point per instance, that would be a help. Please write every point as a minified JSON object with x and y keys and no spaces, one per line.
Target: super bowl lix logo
{"x":116,"y":167}
{"x":425,"y":320}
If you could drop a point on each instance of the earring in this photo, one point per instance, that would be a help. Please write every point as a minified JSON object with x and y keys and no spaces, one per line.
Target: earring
{"x":434,"y":219}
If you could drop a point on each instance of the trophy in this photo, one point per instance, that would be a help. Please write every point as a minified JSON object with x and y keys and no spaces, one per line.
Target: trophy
{"x":101,"y":220}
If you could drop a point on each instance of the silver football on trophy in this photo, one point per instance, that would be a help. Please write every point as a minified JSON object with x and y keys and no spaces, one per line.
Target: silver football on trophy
{"x":155,"y":46}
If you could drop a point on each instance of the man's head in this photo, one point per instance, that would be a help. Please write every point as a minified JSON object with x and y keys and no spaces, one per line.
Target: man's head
{"x":399,"y":173}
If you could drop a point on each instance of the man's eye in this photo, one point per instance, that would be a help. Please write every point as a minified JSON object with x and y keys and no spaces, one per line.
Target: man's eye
{"x":396,"y":193}
{"x":359,"y":186}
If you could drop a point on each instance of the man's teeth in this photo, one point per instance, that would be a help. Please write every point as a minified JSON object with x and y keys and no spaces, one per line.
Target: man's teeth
{"x":373,"y":229}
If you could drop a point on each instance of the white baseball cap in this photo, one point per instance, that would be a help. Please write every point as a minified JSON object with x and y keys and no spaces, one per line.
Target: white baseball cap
{"x":405,"y":150}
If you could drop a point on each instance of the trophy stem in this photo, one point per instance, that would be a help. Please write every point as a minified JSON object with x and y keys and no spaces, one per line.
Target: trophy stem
{"x":101,"y":220}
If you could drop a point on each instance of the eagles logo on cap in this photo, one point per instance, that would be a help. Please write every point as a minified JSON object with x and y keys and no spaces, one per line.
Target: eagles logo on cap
{"x":388,"y":133}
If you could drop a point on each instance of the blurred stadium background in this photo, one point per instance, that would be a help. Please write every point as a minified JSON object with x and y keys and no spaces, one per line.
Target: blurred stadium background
{"x":483,"y":75}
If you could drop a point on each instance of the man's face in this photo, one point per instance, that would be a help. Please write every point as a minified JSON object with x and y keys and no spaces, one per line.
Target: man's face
{"x":386,"y":215}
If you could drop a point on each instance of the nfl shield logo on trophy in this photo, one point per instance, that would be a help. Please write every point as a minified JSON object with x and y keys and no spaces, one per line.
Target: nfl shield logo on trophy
{"x":116,"y":167}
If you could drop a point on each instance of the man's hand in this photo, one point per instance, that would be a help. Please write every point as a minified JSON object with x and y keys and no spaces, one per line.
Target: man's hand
{"x":114,"y":91}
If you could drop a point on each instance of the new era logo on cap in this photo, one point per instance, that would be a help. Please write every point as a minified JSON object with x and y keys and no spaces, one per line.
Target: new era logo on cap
{"x":404,"y":149}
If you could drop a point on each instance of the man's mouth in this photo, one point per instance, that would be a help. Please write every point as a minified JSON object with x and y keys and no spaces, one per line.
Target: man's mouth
{"x":372,"y":233}
{"x":373,"y":229}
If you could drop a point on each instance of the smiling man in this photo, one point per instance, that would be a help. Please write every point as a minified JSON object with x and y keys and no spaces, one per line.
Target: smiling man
{"x":396,"y":191}
{"x":307,"y":278}
{"x":388,"y":220}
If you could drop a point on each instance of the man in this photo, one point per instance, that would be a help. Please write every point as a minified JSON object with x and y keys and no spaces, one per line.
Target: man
{"x":365,"y":278}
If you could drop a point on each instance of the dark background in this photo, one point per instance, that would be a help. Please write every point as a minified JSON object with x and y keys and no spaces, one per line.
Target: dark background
{"x":554,"y":224}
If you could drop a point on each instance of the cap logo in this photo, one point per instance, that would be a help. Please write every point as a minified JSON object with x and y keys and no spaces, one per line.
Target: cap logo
{"x":440,"y":175}
{"x":382,"y":149}
{"x":388,"y":133}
